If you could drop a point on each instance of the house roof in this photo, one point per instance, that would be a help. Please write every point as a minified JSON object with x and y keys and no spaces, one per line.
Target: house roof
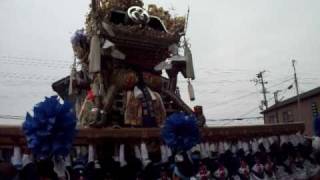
{"x":305,"y":95}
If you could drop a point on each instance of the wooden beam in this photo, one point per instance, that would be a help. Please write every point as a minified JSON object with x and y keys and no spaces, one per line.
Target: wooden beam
{"x":13,"y":135}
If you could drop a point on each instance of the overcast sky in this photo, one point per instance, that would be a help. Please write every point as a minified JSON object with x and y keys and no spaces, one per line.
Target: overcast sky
{"x":232,"y":40}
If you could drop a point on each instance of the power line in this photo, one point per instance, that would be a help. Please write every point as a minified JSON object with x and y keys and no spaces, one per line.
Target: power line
{"x":234,"y":99}
{"x":244,"y":96}
{"x":219,"y":81}
{"x":277,"y":84}
{"x":34,"y":59}
{"x":27,"y":77}
{"x":249,"y":112}
{"x":48,"y":65}
{"x":232,"y":119}
{"x":253,"y":109}
{"x":312,"y":83}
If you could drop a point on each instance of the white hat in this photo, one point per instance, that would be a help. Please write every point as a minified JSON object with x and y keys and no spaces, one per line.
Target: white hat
{"x":226,"y":146}
{"x":97,"y":164}
{"x":178,"y":158}
{"x":271,"y":140}
{"x":164,"y":155}
{"x":196,"y":148}
{"x":137,"y":152}
{"x":316,"y":143}
{"x":169,"y":151}
{"x":245,"y":147}
{"x":122,"y":156}
{"x":203,"y":152}
{"x":220,"y":147}
{"x":16,"y":158}
{"x":301,"y":138}
{"x":90,"y":153}
{"x":207,"y":147}
{"x":68,"y":160}
{"x":239,"y":145}
{"x":26,"y":159}
{"x":234,"y":148}
{"x":293,"y":139}
{"x":254,"y":146}
{"x":266,"y":144}
{"x":283,"y":139}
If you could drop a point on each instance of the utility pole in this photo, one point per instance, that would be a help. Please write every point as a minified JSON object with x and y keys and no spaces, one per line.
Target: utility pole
{"x":297,"y":90}
{"x":264,"y":91}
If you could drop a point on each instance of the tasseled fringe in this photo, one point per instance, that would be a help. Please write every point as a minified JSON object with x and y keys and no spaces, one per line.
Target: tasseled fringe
{"x":16,"y":159}
{"x":164,"y":155}
{"x":115,"y":53}
{"x":26,"y":159}
{"x":203,"y":152}
{"x":95,"y":55}
{"x":72,"y":77}
{"x":221,"y":147}
{"x":191,"y":91}
{"x":254,"y":146}
{"x":68,"y":161}
{"x":189,"y":62}
{"x":316,"y":143}
{"x":137,"y":152}
{"x":169,"y":151}
{"x":101,"y":86}
{"x":144,"y":155}
{"x":121,"y":156}
{"x":90,"y":153}
{"x":108,"y":29}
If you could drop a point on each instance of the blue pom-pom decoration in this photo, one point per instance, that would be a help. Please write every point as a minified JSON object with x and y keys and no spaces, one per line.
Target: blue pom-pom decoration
{"x":52,"y":128}
{"x":181,"y":132}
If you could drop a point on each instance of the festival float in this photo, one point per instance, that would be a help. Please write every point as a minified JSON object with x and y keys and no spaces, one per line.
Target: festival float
{"x":122,"y":109}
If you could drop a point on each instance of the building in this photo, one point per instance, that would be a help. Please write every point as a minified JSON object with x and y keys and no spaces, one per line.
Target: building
{"x":287,"y":111}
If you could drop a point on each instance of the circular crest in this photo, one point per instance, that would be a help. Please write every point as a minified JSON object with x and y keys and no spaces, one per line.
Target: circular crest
{"x":138,"y":15}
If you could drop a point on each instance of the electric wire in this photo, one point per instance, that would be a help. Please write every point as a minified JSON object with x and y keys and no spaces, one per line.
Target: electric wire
{"x":233,"y":99}
{"x":34,"y":59}
{"x":30,"y":77}
{"x":280,"y":83}
{"x":237,"y":119}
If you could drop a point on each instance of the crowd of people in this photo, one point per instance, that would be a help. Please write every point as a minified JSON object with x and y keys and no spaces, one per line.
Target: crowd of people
{"x":285,"y":158}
